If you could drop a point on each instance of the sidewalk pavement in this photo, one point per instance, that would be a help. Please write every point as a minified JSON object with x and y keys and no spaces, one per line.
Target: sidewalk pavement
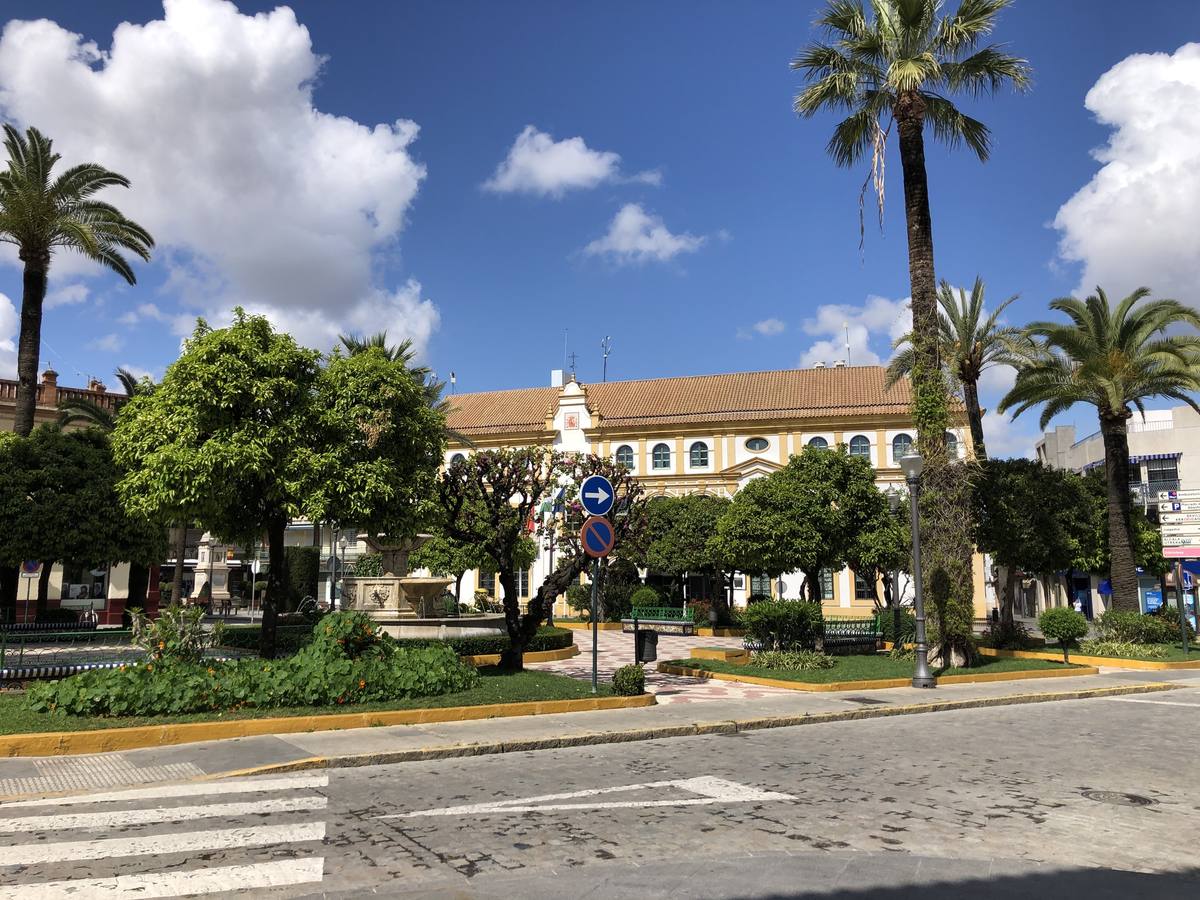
{"x":372,"y":746}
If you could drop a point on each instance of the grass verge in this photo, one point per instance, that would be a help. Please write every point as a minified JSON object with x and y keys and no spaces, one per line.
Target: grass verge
{"x":16,"y":718}
{"x":866,"y":668}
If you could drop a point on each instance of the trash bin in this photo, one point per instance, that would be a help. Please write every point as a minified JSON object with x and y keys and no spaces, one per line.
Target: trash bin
{"x":645,"y":645}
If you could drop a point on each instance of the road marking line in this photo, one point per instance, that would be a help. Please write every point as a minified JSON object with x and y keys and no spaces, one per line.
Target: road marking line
{"x":205,"y":789}
{"x":185,"y":842}
{"x":1155,"y":702}
{"x":175,"y":884}
{"x":712,"y":790}
{"x":159,"y":814}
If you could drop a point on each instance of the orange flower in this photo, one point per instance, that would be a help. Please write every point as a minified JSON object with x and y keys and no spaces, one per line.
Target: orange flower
{"x":162,"y":645}
{"x":341,"y":699}
{"x":362,"y":684}
{"x":150,"y":667}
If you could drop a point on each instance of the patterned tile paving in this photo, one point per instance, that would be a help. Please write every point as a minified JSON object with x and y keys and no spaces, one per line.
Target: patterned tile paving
{"x":616,"y":649}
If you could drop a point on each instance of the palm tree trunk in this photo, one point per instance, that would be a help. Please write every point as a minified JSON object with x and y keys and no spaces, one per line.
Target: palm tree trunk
{"x":1122,"y":567}
{"x":975,"y":418}
{"x":928,"y":385}
{"x":180,"y":550}
{"x":30,"y":343}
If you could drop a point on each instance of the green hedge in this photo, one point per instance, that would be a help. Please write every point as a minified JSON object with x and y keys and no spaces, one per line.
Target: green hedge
{"x":347,"y":661}
{"x":784,"y":624}
{"x":288,"y":638}
{"x":303,"y":572}
{"x":1135,"y":628}
{"x":547,"y":638}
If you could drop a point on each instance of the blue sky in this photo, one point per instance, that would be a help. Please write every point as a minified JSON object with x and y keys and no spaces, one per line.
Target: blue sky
{"x":722,"y":238}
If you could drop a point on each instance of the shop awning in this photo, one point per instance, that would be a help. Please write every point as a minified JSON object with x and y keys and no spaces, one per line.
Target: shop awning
{"x":1146,"y":456}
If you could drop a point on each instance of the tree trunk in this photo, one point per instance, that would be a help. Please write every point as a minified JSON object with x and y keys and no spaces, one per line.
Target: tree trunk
{"x":458,"y":588}
{"x":276,"y":586}
{"x":1122,"y":565}
{"x":1008,"y":600}
{"x":43,"y":593}
{"x":512,"y":659}
{"x":812,"y":586}
{"x":30,"y":343}
{"x":139,"y":584}
{"x":975,"y":418}
{"x":177,"y":577}
{"x":10,"y":577}
{"x":720,"y":601}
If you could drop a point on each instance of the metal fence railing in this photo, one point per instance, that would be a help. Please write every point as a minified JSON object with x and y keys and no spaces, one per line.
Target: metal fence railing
{"x":22,"y":650}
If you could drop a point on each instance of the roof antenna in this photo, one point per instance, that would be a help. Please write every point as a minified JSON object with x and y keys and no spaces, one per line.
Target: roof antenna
{"x":606,"y":346}
{"x":453,"y":381}
{"x":846,"y":325}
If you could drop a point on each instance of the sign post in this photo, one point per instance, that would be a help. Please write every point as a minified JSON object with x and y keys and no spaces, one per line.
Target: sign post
{"x":597,"y":538}
{"x":1183,"y":618}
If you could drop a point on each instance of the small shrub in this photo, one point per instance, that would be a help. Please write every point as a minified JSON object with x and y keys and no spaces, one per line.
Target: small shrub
{"x":579,"y":598}
{"x":1122,"y":648}
{"x":629,"y":681}
{"x":177,"y":635}
{"x":793,"y":660}
{"x":700,"y":610}
{"x":784,"y":624}
{"x":1170,"y":616}
{"x":1010,"y":636}
{"x":1135,"y":628}
{"x":1063,"y":625}
{"x":369,"y":565}
{"x":908,"y":626}
{"x":59,"y":616}
{"x":645,"y":596}
{"x":758,"y":598}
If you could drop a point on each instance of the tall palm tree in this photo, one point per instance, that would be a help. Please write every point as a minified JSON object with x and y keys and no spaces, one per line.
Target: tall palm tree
{"x":1112,"y":358}
{"x":899,"y":64}
{"x":41,"y":215}
{"x":970,"y":344}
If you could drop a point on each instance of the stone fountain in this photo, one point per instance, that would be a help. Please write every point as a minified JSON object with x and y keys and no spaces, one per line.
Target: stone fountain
{"x":407,"y":606}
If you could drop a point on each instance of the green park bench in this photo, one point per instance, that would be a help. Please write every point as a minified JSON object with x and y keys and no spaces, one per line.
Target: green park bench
{"x":663,"y":619}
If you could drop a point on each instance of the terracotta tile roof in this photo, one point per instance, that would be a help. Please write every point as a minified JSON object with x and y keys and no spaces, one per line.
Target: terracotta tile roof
{"x":784,"y":394}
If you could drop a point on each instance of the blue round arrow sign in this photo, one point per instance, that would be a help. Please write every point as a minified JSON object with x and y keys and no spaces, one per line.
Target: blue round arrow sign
{"x":597,"y":537}
{"x":596,"y":494}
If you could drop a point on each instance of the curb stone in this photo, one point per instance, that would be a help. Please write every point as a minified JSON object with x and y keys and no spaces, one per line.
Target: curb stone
{"x":694,"y":729}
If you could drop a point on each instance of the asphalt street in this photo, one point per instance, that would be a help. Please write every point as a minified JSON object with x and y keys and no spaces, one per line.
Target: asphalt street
{"x":1093,"y":798}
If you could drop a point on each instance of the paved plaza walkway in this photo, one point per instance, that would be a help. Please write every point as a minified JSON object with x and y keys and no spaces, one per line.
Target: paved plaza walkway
{"x":616,"y":650}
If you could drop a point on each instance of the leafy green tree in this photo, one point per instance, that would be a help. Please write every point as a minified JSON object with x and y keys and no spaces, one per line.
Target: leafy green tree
{"x":900,"y":64}
{"x":1029,"y":517}
{"x":248,"y":430}
{"x":445,"y":557}
{"x":1112,"y":358}
{"x":679,"y":538}
{"x":490,"y":500}
{"x":970,"y":344}
{"x":40,"y":214}
{"x":880,"y":549}
{"x":58,"y":501}
{"x":1093,"y":554}
{"x":805,"y":516}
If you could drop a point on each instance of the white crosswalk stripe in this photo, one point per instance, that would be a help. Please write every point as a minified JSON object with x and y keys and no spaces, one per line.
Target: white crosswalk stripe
{"x":132,"y":852}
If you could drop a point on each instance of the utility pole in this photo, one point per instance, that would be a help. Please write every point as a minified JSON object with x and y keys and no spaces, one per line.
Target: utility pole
{"x":572,"y":357}
{"x":606,"y":346}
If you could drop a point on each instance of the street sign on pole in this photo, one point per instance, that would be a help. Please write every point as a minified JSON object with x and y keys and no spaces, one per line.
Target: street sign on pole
{"x":1179,"y":506}
{"x":597,"y":537}
{"x":1179,"y":518}
{"x":1179,"y":495}
{"x":31,"y":568}
{"x":596,"y":494}
{"x":1182,"y":552}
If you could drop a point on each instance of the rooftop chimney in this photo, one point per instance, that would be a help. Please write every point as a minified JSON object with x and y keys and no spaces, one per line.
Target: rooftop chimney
{"x":49,"y":377}
{"x":95,"y":384}
{"x":839,"y":364}
{"x":556,"y":378}
{"x":818,"y":365}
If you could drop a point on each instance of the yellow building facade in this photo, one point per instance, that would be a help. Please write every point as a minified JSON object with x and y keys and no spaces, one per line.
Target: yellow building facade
{"x":711,"y":434}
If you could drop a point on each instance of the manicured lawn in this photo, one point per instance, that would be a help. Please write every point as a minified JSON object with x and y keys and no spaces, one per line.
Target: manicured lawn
{"x":866,"y":668}
{"x":15,"y":718}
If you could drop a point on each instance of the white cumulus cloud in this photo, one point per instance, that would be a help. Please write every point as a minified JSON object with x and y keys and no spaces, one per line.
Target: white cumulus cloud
{"x":109,"y":343}
{"x":67,"y":295}
{"x":872,"y":327}
{"x":765,"y":328}
{"x":636,"y":236}
{"x":255,"y":196}
{"x":8,"y":338}
{"x":1137,"y":221}
{"x":538,"y":164}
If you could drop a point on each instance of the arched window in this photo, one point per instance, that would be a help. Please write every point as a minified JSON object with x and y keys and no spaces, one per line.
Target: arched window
{"x":951,"y":444}
{"x":661,"y":456}
{"x":699,"y":455}
{"x":757,"y":444}
{"x":457,"y":458}
{"x":819,"y":443}
{"x":860,"y":445}
{"x":901,"y":446}
{"x":625,"y":456}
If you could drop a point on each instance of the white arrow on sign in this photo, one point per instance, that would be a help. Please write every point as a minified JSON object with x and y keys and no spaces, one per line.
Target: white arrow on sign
{"x":1178,"y":517}
{"x":599,"y":494}
{"x":707,"y":790}
{"x":1179,"y":495}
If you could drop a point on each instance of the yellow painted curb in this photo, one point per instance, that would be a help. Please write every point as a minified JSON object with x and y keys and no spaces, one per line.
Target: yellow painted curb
{"x":874,"y":683}
{"x":720,"y":632}
{"x":1117,"y":662}
{"x":62,"y":743}
{"x":538,"y":656}
{"x":736,"y":656}
{"x":587,"y":626}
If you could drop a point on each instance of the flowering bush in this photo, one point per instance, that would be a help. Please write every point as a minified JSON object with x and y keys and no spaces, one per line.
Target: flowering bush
{"x":347,"y":662}
{"x":177,"y":635}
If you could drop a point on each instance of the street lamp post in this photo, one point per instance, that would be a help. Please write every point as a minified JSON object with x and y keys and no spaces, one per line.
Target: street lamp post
{"x":339,"y":576}
{"x":912,"y":464}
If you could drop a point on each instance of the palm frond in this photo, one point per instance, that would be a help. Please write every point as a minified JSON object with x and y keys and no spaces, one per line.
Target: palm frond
{"x":953,"y":127}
